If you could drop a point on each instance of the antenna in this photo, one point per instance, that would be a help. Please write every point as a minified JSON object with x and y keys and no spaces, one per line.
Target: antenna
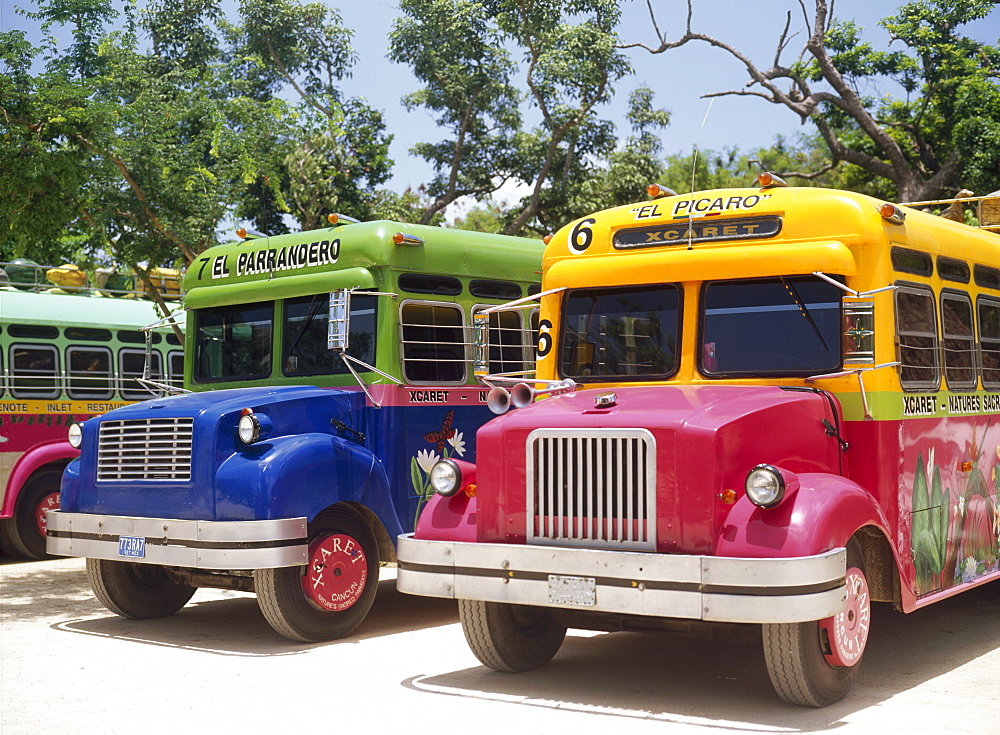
{"x":694,"y":164}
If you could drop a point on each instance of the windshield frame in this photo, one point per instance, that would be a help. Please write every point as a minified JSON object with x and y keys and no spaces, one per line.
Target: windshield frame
{"x":832,"y":338}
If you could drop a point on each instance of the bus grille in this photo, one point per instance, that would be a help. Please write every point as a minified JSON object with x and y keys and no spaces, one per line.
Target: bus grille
{"x":145,"y":449}
{"x":591,"y":487}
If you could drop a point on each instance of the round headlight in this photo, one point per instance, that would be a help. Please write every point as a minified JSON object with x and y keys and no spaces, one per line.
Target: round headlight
{"x":446,"y":478}
{"x":249,"y":428}
{"x":75,"y":435}
{"x":765,"y":486}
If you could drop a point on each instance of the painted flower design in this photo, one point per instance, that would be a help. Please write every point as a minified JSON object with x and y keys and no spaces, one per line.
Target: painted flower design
{"x":457,"y":443}
{"x":427,"y":458}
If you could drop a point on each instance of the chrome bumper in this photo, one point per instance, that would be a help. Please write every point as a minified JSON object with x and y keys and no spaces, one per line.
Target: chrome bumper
{"x":720,"y":589}
{"x":178,"y":543}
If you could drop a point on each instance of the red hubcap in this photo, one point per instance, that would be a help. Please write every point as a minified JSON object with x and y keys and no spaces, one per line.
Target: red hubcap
{"x":49,"y":502}
{"x":848,"y":630}
{"x":337,"y":572}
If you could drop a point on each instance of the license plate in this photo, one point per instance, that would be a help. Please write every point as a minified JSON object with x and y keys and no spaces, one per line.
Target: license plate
{"x":572,"y":590}
{"x":132,"y":546}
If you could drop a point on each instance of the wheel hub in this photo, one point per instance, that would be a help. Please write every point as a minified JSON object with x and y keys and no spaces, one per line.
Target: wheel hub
{"x":337,"y":572}
{"x":48,"y":502}
{"x":847,"y":631}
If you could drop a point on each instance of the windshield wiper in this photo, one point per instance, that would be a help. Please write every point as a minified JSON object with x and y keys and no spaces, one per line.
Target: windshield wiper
{"x":317,"y":302}
{"x":793,"y":292}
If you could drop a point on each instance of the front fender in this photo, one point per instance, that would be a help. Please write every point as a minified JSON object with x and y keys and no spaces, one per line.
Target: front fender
{"x":448,"y":519}
{"x":29,"y":463}
{"x":300,"y":475}
{"x":821,"y":515}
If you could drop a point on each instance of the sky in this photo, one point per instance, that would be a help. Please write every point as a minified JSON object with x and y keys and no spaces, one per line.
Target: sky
{"x":679,"y":77}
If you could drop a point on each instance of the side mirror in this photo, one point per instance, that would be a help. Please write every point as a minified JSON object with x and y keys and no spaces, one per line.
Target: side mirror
{"x":339,"y":321}
{"x":859,"y":332}
{"x":480,"y":344}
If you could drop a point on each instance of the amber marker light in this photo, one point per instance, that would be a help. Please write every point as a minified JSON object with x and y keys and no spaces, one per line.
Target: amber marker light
{"x":547,"y":239}
{"x":728,"y":496}
{"x":656,"y":191}
{"x":401,"y":238}
{"x":470,"y":490}
{"x":242,"y":233}
{"x":892,"y":213}
{"x":768,"y":180}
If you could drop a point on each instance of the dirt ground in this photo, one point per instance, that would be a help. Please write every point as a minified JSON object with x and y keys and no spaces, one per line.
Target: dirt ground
{"x":68,"y":665}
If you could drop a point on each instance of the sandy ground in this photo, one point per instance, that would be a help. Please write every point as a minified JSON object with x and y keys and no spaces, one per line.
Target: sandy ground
{"x":68,"y":665}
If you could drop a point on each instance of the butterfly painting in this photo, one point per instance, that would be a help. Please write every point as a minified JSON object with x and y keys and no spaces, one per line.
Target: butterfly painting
{"x":446,"y":432}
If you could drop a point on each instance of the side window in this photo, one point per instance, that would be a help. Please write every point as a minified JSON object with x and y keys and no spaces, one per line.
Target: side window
{"x":959,"y":341}
{"x":432,"y":344}
{"x":510,"y":343}
{"x":90,"y":373}
{"x":34,"y":371}
{"x":916,"y":330}
{"x":989,"y":341}
{"x":233,"y":342}
{"x":175,"y":360}
{"x":304,"y":350}
{"x":130,"y":366}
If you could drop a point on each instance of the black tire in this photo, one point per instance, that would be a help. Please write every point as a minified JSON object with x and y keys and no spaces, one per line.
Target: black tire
{"x":508,"y":637}
{"x":22,"y":534}
{"x":796,"y":661}
{"x":292,"y":612}
{"x":138,"y":591}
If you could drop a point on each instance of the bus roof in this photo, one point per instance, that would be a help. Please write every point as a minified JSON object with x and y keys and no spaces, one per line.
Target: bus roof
{"x":692,"y":234}
{"x":26,"y":307}
{"x":351,"y":256}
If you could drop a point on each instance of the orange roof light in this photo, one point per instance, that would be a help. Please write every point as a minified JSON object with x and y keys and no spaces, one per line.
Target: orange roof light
{"x":401,"y":238}
{"x":656,"y":191}
{"x":768,"y":180}
{"x":892,"y":213}
{"x":340,"y":219}
{"x":241,"y":233}
{"x":547,"y":239}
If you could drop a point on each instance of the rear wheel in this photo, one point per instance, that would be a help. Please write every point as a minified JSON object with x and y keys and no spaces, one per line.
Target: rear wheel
{"x":814,"y":664}
{"x":510,"y":637}
{"x":25,"y":532}
{"x":330,"y":596}
{"x":139,"y":591}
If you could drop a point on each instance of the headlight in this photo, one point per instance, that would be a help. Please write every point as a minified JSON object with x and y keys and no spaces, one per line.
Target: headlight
{"x":249,"y":428}
{"x":446,"y":478}
{"x":765,"y":486}
{"x":75,"y":435}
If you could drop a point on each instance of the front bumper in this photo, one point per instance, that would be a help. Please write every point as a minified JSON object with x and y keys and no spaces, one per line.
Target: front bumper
{"x":719,"y":589}
{"x":216,"y":545}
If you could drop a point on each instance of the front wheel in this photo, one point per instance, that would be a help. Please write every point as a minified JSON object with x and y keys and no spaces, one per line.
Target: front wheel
{"x":26,"y":530}
{"x":814,"y":664}
{"x":330,"y":596}
{"x":139,"y":591}
{"x":510,"y":637}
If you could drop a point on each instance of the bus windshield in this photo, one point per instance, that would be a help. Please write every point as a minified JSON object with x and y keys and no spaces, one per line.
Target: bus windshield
{"x":774,"y":326}
{"x":622,"y":333}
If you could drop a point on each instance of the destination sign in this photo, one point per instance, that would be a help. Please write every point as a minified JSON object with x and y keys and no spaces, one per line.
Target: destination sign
{"x":684,"y":232}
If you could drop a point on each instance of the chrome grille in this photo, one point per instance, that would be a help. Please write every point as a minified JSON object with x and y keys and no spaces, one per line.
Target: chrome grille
{"x":590,"y":487}
{"x":145,"y":449}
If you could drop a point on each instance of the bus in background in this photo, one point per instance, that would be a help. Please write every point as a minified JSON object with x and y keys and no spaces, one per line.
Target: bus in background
{"x":330,"y":371}
{"x":765,"y":406}
{"x":65,"y":356}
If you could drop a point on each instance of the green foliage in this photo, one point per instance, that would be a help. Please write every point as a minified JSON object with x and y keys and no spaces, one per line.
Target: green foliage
{"x":930,"y":526}
{"x":135,"y":146}
{"x":949,"y":123}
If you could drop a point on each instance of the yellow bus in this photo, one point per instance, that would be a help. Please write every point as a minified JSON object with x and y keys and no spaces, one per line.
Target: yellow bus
{"x":765,"y":406}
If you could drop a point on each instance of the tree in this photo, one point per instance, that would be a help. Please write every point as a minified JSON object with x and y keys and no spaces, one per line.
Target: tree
{"x":337,"y":151}
{"x":467,"y":85}
{"x":460,"y":50}
{"x":944,"y":135}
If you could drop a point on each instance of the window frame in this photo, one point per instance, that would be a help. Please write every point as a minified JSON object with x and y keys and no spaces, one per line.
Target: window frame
{"x":133,"y":394}
{"x":85,"y":393}
{"x":924,"y":386}
{"x":527,"y":360}
{"x":994,"y":301}
{"x":34,"y":393}
{"x":462,"y":332}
